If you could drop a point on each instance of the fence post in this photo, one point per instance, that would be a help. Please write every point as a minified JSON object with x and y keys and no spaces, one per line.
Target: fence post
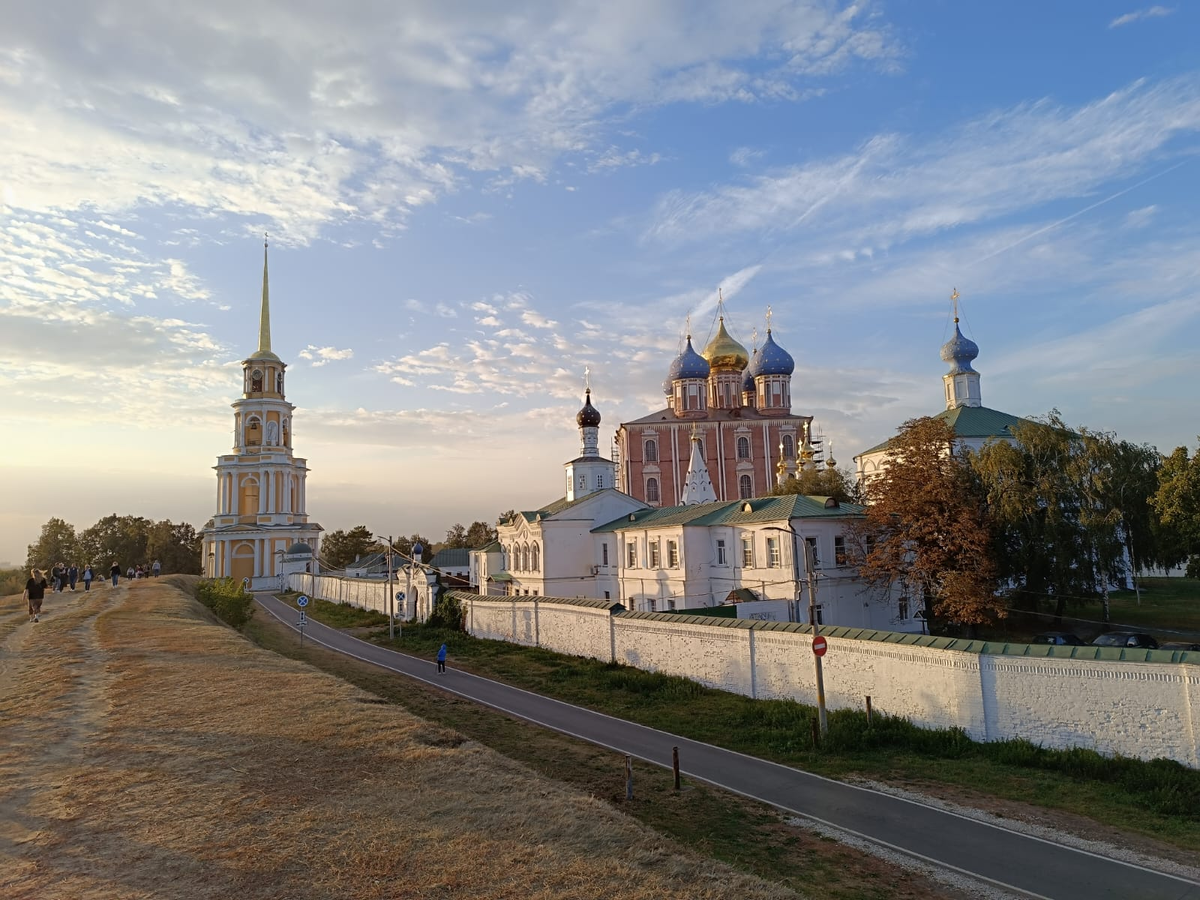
{"x":675,"y":765}
{"x":628,"y":777}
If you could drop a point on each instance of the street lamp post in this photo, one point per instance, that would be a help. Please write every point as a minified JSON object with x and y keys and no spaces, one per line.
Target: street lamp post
{"x":391,"y":596}
{"x":810,"y":575}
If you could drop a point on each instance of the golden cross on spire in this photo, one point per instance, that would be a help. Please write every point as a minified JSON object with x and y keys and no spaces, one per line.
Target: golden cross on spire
{"x":587,"y":378}
{"x":768,"y":319}
{"x":688,"y":326}
{"x":954,"y":300}
{"x":754,"y":336}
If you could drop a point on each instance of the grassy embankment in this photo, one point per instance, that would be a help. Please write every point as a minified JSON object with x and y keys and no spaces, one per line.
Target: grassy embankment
{"x":748,"y":835}
{"x":147,"y":751}
{"x":1159,"y":800}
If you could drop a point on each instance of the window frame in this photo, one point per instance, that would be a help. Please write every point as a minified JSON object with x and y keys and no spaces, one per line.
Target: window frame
{"x":747,"y":553}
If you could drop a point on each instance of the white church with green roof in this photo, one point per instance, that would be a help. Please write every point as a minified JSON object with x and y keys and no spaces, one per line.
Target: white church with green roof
{"x":974,"y":424}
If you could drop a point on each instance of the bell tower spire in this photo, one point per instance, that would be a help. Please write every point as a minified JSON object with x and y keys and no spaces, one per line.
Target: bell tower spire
{"x":264,"y":322}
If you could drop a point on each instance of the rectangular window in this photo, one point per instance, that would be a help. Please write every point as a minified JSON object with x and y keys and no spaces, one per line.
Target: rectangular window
{"x":812,"y":547}
{"x":722,"y":560}
{"x":839,"y":551}
{"x":902,"y":615}
{"x":604,"y":553}
{"x":583,"y":482}
{"x":631,"y":555}
{"x":650,"y":604}
{"x":606,"y":597}
{"x":599,"y":482}
{"x":654,"y":558}
{"x":820,"y":614}
{"x":535,"y":592}
{"x":747,"y":553}
{"x":673,"y":554}
{"x":773,"y":560}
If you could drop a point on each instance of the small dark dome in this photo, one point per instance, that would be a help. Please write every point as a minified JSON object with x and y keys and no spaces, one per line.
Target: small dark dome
{"x":772,"y":359}
{"x":589,"y":416}
{"x":748,"y":373}
{"x":298,"y":548}
{"x":688,"y":364}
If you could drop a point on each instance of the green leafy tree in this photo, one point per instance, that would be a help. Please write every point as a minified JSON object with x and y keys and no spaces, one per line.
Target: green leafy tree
{"x":1176,"y":502}
{"x":925,"y":528}
{"x":473,"y":537}
{"x":56,"y":543}
{"x":822,"y":482}
{"x":114,"y":537}
{"x":480,"y":534}
{"x":404,"y":546}
{"x":1057,"y":503}
{"x":177,"y":547}
{"x":506,"y":516}
{"x":340,"y":548}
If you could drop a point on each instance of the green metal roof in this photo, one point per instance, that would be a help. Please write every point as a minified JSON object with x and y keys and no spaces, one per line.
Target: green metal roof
{"x":500,"y":576}
{"x":970,"y":422}
{"x":733,"y":512}
{"x":451,"y":556}
{"x":587,"y":602}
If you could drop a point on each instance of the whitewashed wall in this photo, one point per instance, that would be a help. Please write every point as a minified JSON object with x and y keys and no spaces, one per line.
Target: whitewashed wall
{"x":1142,"y":710}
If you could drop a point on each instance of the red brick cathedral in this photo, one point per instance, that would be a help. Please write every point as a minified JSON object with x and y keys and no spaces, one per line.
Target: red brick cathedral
{"x":740,"y":406}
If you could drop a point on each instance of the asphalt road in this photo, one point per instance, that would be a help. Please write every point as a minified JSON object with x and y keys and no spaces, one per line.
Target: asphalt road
{"x":1008,"y":859}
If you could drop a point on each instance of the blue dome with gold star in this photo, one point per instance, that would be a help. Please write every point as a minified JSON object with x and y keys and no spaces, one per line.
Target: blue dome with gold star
{"x":959,"y":351}
{"x":771,"y":359}
{"x":688,"y":364}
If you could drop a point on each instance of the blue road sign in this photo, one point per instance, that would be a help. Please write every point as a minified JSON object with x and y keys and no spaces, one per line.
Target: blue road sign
{"x":302,"y":601}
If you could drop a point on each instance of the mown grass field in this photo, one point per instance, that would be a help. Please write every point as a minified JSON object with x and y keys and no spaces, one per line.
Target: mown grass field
{"x":147,"y":750}
{"x":1159,"y":801}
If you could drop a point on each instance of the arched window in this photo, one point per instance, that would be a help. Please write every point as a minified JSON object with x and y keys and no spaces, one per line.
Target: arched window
{"x":524,"y":557}
{"x":743,"y":448}
{"x":745,"y":487}
{"x":700,"y":444}
{"x":651,"y":490}
{"x":287,"y":427}
{"x":651,"y":450}
{"x":536,"y":562}
{"x":789,"y":446}
{"x":253,"y":432}
{"x":256,"y":381}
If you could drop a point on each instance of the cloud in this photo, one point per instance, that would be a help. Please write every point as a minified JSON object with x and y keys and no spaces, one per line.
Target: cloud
{"x":261,"y":112}
{"x":1152,"y":12}
{"x":322,"y":356}
{"x":895,"y":187}
{"x":614,"y":159}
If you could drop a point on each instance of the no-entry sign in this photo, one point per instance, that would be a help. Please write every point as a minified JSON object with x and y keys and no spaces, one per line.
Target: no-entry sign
{"x":819,"y":646}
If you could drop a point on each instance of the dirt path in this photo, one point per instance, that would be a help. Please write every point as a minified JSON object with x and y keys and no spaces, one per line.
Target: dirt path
{"x":147,"y":752}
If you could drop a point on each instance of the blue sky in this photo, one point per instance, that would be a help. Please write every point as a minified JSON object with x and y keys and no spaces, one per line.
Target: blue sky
{"x":471,"y":202}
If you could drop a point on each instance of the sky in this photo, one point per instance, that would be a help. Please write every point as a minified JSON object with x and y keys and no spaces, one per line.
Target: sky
{"x":469,"y":203}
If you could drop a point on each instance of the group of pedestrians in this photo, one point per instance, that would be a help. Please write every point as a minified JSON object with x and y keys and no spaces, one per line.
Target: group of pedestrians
{"x":64,"y":578}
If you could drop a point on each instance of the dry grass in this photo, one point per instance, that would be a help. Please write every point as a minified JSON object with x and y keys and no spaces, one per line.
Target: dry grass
{"x":146,"y":751}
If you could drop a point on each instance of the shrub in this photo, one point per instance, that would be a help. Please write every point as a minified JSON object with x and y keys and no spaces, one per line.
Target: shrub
{"x":227,"y":599}
{"x":448,"y":612}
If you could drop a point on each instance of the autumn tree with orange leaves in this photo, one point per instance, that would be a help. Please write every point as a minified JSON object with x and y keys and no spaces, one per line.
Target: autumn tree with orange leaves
{"x":926,"y":529}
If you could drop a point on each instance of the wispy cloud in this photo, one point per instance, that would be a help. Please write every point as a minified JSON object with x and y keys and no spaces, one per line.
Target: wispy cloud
{"x":321,"y":356}
{"x":897,"y":187}
{"x":1152,"y":12}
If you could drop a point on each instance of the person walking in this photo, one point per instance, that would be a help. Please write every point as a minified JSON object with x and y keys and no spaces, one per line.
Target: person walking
{"x":73,"y":575}
{"x":115,"y":572}
{"x":442,"y":660}
{"x":57,"y":576}
{"x":157,"y":568}
{"x":35,"y":593}
{"x":87,"y":578}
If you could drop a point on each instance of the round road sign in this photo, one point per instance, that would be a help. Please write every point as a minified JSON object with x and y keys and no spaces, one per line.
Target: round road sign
{"x":302,"y":601}
{"x":819,"y":646}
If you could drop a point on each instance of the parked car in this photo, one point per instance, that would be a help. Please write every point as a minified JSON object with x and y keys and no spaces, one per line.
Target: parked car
{"x":1060,"y":638}
{"x":1178,"y":645}
{"x":1136,"y":639}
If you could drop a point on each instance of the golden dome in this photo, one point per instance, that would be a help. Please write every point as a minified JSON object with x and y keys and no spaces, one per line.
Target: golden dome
{"x":723,"y":351}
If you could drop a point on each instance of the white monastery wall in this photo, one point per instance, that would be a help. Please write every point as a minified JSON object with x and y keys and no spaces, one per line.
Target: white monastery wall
{"x":1141,"y":710}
